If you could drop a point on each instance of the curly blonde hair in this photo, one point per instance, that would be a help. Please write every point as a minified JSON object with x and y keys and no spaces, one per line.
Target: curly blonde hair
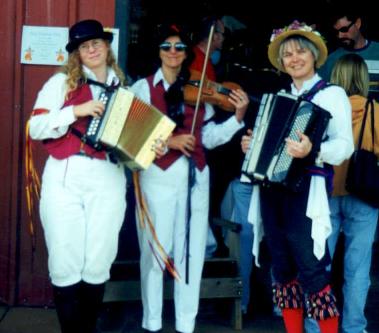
{"x":74,"y":70}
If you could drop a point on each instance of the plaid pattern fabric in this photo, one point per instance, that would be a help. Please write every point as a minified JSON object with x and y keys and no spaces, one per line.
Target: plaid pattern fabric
{"x":321,"y":305}
{"x":288,"y":296}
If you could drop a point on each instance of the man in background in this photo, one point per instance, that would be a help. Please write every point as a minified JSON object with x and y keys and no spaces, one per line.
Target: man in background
{"x":348,"y":26}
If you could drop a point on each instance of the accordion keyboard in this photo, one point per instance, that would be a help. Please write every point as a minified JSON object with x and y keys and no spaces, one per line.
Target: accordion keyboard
{"x":94,"y":125}
{"x":300,"y":124}
{"x":95,"y":122}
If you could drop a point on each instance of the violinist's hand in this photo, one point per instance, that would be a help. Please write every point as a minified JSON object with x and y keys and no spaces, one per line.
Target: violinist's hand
{"x":245,"y":141}
{"x":160,"y":148}
{"x":183,"y":142}
{"x":91,"y":108}
{"x":240,"y":100}
{"x":301,"y":148}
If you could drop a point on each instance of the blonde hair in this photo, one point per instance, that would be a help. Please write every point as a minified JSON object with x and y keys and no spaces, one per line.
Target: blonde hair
{"x":351,"y":73}
{"x":74,"y":70}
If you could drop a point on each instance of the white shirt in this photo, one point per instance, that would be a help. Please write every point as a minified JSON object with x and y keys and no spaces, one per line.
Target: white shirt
{"x":339,"y":144}
{"x":56,"y":121}
{"x":212,"y":134}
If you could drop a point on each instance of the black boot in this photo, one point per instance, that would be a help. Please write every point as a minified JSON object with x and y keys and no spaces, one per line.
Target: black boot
{"x":67,"y":306}
{"x":91,"y":300}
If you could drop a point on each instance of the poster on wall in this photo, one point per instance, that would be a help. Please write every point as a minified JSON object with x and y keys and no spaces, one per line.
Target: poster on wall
{"x":42,"y":45}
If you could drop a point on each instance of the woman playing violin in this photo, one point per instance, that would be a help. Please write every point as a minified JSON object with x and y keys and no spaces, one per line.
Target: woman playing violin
{"x":165,"y":184}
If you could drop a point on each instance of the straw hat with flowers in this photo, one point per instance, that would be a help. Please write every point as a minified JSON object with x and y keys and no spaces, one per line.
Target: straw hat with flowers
{"x":295,"y":28}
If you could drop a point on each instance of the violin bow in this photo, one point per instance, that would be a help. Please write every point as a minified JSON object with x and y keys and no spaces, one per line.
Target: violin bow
{"x":191,"y":164}
{"x":210,"y":38}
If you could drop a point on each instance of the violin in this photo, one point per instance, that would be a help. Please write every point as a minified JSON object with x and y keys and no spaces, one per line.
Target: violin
{"x":213,"y":93}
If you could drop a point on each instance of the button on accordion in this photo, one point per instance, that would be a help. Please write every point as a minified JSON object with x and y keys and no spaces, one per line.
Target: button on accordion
{"x":128,"y":128}
{"x":280,"y":116}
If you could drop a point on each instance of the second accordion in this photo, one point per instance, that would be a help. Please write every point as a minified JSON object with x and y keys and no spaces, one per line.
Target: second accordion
{"x":282,"y":116}
{"x":129,"y":128}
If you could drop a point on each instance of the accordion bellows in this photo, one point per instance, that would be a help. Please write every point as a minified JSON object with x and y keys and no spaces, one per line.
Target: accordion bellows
{"x":129,"y":128}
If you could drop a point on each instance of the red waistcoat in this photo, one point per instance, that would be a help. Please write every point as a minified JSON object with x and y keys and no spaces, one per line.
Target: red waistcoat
{"x":157,"y":99}
{"x":70,"y":144}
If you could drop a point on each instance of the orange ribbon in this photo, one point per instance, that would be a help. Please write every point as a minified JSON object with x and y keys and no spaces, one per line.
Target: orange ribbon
{"x":144,"y":216}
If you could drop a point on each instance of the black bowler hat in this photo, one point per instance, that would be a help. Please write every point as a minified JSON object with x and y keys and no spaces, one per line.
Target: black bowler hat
{"x":86,"y":30}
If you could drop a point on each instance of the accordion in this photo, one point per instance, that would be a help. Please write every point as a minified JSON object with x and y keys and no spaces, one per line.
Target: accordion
{"x":280,"y":116}
{"x":128,"y":128}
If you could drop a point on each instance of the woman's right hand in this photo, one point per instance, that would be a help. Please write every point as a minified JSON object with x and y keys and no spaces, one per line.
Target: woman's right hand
{"x":245,"y":141}
{"x":184,"y":142}
{"x":91,"y":108}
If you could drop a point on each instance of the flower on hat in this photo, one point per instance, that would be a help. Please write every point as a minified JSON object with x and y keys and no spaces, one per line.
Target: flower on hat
{"x":296,"y":28}
{"x":295,"y":25}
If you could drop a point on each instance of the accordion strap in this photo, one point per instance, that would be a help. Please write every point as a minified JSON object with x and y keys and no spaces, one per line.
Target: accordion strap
{"x":83,"y":138}
{"x":319,"y":85}
{"x":325,"y":171}
{"x":77,"y":133}
{"x":106,"y":87}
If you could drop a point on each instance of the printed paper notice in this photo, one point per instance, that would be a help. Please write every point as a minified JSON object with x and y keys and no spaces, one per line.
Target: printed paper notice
{"x":44,"y":45}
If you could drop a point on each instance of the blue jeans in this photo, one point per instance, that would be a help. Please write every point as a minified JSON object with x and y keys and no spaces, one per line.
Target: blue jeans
{"x":357,"y":221}
{"x":242,"y":194}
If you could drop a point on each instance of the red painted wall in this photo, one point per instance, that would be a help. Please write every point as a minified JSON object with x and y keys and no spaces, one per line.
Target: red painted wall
{"x":23,"y":273}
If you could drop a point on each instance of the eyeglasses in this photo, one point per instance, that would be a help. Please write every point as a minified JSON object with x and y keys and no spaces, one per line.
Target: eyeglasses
{"x":94,"y":43}
{"x":344,"y":29}
{"x":179,"y":46}
{"x":220,"y":32}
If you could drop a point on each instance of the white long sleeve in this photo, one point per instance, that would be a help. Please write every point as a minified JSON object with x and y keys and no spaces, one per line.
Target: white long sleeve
{"x":339,"y":144}
{"x":214,"y":134}
{"x":54,"y":121}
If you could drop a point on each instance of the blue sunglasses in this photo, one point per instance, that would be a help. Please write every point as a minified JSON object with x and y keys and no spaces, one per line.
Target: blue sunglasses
{"x":179,"y":46}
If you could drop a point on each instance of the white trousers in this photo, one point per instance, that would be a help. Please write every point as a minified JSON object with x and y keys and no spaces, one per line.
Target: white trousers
{"x":82,"y":208}
{"x":166,"y":195}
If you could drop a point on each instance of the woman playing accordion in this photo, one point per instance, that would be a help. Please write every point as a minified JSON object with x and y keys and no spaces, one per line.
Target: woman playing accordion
{"x":297,"y":223}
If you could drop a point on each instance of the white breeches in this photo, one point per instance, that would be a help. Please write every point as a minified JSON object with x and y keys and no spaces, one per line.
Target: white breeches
{"x":166,"y":196}
{"x":82,"y":208}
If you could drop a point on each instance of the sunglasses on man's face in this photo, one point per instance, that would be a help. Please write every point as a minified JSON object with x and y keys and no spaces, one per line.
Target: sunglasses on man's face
{"x":344,"y":29}
{"x":179,"y":46}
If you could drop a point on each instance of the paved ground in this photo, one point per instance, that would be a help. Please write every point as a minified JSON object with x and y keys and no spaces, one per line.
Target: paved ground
{"x":126,"y":318}
{"x":214,"y":316}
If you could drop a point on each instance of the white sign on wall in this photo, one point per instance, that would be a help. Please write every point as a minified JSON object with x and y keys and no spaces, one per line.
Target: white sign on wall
{"x":43,"y":45}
